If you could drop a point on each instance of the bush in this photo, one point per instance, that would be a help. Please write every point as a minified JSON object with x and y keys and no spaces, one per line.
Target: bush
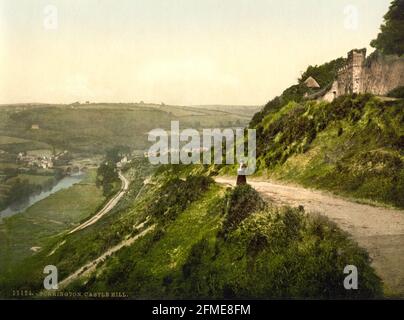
{"x":176,"y":194}
{"x":243,"y":200}
{"x":397,"y":93}
{"x":277,"y":253}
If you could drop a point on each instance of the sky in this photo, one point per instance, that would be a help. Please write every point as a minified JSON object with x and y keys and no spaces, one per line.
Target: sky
{"x":185,"y":52}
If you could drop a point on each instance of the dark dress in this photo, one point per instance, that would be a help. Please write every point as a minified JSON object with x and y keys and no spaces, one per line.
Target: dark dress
{"x":241,"y":180}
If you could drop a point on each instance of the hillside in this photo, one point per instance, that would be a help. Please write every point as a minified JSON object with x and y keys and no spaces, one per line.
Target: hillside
{"x":93,"y":128}
{"x":178,"y":234}
{"x":183,"y":236}
{"x":31,"y":136}
{"x":352,"y":146}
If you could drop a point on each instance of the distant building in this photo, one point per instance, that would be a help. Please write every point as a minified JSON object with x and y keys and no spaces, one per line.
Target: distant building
{"x":123,"y":161}
{"x":311,"y":83}
{"x":35,"y":127}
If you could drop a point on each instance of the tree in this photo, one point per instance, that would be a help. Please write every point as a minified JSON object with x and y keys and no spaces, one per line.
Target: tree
{"x":116,"y":153}
{"x":106,"y":176}
{"x":391,"y":38}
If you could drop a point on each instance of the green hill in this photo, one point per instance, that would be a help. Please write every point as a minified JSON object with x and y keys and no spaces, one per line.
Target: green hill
{"x":93,"y":128}
{"x":187,"y":237}
{"x":352,"y":146}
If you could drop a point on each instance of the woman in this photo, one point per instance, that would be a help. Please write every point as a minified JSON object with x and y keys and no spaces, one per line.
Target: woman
{"x":241,"y":174}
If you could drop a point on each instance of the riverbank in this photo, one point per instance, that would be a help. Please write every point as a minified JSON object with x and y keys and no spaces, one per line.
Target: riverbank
{"x":63,"y":183}
{"x":25,"y":233}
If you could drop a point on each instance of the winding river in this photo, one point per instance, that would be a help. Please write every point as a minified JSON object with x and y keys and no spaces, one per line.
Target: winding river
{"x":64,"y":183}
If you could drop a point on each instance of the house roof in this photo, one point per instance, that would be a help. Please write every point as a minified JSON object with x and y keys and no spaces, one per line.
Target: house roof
{"x":310,"y":82}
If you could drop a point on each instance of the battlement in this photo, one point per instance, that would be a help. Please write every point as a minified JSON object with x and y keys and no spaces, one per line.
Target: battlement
{"x":356,"y":55}
{"x":377,"y":74}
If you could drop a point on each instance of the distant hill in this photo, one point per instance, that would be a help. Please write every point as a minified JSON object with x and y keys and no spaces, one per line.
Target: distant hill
{"x":94,"y":127}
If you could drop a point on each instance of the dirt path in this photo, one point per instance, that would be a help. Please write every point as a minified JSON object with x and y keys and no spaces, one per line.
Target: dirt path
{"x":379,"y":230}
{"x":91,"y":266}
{"x":107,"y":208}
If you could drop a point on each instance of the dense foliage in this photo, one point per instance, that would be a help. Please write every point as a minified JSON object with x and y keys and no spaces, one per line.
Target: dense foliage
{"x":397,"y":93}
{"x":241,"y":202}
{"x":176,"y":195}
{"x":267,"y":253}
{"x":107,"y":172}
{"x":323,"y":74}
{"x":276,"y":253}
{"x":391,"y":38}
{"x":353,"y":146}
{"x":205,"y":242}
{"x":107,"y":178}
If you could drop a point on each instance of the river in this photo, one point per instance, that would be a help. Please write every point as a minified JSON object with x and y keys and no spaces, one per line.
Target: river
{"x":64,"y":183}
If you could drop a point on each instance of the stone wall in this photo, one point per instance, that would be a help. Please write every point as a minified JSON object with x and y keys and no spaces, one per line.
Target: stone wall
{"x":381,"y":74}
{"x":377,"y":74}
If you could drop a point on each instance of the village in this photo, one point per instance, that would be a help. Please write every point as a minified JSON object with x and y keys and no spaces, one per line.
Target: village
{"x":43,"y":161}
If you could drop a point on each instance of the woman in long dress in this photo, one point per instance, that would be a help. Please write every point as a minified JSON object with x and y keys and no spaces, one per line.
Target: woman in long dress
{"x":241,"y":174}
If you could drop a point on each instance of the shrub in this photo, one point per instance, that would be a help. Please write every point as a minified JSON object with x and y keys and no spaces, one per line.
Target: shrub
{"x":277,"y":253}
{"x":397,"y":93}
{"x":176,"y":194}
{"x":243,"y":200}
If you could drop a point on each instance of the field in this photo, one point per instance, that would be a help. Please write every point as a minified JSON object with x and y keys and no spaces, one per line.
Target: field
{"x":23,"y":233}
{"x":92,"y":128}
{"x":13,"y":174}
{"x":16,"y":145}
{"x":41,"y":180}
{"x":86,"y":132}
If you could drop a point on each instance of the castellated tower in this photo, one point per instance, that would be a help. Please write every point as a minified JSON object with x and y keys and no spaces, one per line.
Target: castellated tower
{"x":377,"y":74}
{"x":350,"y":77}
{"x":356,"y":61}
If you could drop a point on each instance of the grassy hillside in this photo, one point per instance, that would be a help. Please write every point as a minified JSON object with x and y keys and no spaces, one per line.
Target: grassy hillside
{"x":204,"y":241}
{"x":209,"y":242}
{"x":23,"y":234}
{"x":352,"y":146}
{"x":93,"y":128}
{"x":20,"y":267}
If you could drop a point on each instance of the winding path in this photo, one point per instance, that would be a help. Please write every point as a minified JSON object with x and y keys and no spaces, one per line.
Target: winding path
{"x":91,"y":266}
{"x":379,"y":230}
{"x":107,"y":208}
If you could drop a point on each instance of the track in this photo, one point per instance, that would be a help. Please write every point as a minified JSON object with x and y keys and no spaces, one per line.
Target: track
{"x":377,"y":229}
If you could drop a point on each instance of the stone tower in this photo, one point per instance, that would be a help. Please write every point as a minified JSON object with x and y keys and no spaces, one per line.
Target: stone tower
{"x":377,"y":74}
{"x":350,"y":77}
{"x":356,"y":62}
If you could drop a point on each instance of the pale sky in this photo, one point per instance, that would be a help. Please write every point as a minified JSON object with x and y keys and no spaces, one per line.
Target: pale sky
{"x":184,"y":52}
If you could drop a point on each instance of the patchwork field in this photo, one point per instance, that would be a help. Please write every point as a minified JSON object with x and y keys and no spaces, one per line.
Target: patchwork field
{"x":93,"y":128}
